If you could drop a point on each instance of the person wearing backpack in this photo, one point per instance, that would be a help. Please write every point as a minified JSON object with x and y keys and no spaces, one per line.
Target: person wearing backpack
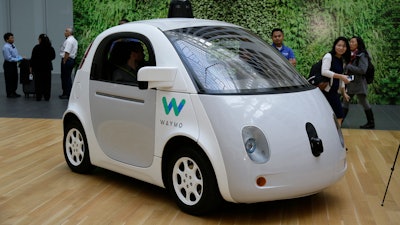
{"x":333,"y":64}
{"x":358,"y":67}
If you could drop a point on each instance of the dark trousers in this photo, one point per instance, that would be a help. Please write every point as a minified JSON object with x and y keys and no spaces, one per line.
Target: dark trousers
{"x":334,"y":100}
{"x":10,"y":77}
{"x":66,"y":80}
{"x":42,"y":84}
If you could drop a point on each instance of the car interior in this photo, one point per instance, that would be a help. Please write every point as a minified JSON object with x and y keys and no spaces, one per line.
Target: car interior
{"x":113,"y":53}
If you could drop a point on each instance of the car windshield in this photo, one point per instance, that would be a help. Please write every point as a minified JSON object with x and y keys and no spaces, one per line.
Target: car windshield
{"x":231,"y":60}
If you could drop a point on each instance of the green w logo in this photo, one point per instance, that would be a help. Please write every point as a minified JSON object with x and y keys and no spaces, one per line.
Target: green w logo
{"x":172,"y":105}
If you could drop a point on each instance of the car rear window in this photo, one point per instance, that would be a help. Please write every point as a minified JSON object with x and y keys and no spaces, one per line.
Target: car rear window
{"x":231,"y":60}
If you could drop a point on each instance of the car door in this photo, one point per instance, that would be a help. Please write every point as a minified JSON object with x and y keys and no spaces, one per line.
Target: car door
{"x":123,"y":115}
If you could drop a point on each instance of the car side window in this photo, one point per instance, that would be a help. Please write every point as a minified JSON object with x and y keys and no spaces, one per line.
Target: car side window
{"x":120,"y":56}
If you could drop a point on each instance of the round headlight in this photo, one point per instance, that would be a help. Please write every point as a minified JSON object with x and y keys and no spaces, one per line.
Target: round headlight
{"x":255,"y":144}
{"x":250,"y":145}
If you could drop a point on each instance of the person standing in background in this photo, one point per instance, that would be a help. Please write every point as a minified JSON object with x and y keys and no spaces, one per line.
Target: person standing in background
{"x":41,"y":66}
{"x":277,"y":42}
{"x":358,"y":67}
{"x":68,"y":53}
{"x":11,"y":59}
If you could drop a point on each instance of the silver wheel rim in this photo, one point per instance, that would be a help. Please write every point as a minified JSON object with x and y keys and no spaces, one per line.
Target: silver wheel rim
{"x":187,"y":181}
{"x":75,"y":147}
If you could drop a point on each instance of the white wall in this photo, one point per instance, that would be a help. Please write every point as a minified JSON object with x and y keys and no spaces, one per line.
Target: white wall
{"x":27,"y":19}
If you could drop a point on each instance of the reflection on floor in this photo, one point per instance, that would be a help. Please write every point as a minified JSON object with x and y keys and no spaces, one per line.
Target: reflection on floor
{"x":30,"y":108}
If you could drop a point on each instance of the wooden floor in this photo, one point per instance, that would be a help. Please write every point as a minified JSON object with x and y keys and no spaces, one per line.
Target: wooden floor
{"x":37,"y":187}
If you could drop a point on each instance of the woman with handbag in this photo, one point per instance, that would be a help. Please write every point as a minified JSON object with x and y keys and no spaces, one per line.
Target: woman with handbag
{"x":333,"y":64}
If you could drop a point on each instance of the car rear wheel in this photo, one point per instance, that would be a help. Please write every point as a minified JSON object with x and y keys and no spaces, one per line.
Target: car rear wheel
{"x":76,"y":151}
{"x":191,"y":181}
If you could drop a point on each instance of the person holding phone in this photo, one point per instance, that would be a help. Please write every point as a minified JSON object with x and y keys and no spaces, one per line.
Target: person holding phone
{"x":333,"y":64}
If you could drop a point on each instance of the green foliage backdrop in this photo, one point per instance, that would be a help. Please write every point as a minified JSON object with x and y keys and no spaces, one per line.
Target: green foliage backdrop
{"x":310,"y":27}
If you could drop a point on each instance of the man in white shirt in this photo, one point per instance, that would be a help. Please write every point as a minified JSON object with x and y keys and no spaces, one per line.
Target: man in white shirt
{"x":68,"y":53}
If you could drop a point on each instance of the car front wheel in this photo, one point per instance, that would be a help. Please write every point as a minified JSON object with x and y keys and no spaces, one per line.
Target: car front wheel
{"x":76,"y":151}
{"x":192,"y":181}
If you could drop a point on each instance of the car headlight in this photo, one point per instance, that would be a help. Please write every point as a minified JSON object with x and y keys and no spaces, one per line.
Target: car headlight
{"x":250,"y":145}
{"x":255,"y":144}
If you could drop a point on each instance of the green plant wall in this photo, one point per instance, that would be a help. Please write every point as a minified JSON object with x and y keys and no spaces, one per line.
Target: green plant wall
{"x":310,"y":27}
{"x":91,"y":17}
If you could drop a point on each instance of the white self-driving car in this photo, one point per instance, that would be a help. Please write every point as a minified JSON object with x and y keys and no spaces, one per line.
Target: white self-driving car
{"x":213,"y":114}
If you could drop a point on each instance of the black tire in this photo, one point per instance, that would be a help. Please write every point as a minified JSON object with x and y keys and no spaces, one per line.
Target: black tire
{"x":76,"y":150}
{"x":191,"y":181}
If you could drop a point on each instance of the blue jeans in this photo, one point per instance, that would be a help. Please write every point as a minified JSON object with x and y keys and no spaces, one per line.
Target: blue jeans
{"x":66,"y":80}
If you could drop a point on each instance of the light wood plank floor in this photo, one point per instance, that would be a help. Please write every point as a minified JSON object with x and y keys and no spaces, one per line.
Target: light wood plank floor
{"x":37,"y":187}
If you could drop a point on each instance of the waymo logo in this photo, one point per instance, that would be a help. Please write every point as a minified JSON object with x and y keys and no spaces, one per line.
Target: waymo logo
{"x":172,"y":105}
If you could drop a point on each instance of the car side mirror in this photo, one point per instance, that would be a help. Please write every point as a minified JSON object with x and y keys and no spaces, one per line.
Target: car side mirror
{"x":156,"y":77}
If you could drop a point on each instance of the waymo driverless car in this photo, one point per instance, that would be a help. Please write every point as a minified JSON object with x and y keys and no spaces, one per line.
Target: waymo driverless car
{"x":206,"y":109}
